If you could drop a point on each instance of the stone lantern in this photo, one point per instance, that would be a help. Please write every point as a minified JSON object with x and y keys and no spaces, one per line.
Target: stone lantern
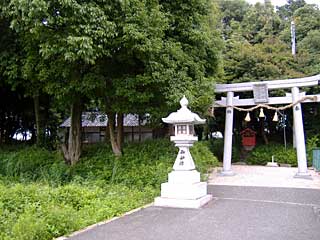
{"x":183,"y":188}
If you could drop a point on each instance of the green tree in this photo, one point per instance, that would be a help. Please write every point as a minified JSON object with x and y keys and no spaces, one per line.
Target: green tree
{"x":14,"y":113}
{"x":286,"y":11}
{"x":193,"y":51}
{"x":260,"y":22}
{"x":133,"y":55}
{"x":232,"y":13}
{"x":307,"y":18}
{"x":71,"y":36}
{"x":165,"y":50}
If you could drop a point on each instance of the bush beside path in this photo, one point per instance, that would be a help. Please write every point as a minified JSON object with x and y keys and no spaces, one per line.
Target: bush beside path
{"x":42,"y":198}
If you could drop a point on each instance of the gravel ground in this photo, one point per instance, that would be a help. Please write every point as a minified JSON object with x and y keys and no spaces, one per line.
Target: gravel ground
{"x":265,"y":177}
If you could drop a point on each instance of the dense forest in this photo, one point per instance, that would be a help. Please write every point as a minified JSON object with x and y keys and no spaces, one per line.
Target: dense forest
{"x":60,"y":58}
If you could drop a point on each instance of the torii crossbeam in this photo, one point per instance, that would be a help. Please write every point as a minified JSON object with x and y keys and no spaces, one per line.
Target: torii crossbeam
{"x":260,"y":90}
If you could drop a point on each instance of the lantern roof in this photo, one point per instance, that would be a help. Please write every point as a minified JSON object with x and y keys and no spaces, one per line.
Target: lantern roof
{"x":184,"y":115}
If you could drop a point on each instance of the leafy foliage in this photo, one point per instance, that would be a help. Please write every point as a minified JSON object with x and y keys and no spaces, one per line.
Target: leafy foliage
{"x":216,"y":146}
{"x":37,"y":211}
{"x":260,"y":155}
{"x":312,"y":143}
{"x":203,"y":156}
{"x":258,"y":44}
{"x":42,"y":198}
{"x":124,"y":56}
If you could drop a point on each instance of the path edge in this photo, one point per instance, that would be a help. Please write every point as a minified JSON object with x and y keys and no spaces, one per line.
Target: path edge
{"x":103,"y":222}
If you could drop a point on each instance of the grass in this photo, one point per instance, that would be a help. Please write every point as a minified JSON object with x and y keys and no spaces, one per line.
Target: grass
{"x":42,"y":198}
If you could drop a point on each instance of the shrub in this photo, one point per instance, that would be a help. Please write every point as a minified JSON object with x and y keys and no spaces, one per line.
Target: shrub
{"x":217,"y":146}
{"x":37,"y":211}
{"x":262,"y":154}
{"x":32,"y":163}
{"x":150,"y":163}
{"x":42,"y":198}
{"x":29,"y":226}
{"x":312,"y":143}
{"x":203,"y":157}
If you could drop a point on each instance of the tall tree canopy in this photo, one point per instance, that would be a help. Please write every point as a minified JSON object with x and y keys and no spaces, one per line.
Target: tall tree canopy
{"x":140,"y":57}
{"x":130,"y":56}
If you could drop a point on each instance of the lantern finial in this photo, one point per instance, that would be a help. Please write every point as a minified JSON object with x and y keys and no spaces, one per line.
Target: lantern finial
{"x":184,"y":101}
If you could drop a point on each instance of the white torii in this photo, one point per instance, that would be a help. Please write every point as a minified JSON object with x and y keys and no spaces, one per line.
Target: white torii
{"x":260,"y":90}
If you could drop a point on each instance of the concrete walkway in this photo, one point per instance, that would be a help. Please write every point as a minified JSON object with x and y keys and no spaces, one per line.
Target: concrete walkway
{"x":265,"y":177}
{"x":236,"y":212}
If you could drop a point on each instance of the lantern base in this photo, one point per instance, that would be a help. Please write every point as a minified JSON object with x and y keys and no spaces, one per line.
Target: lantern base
{"x":183,"y":190}
{"x":182,"y":203}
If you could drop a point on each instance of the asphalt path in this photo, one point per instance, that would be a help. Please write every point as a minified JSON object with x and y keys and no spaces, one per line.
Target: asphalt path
{"x":236,"y":212}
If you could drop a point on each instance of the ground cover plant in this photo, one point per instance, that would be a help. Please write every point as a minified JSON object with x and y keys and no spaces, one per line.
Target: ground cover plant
{"x":262,"y":154}
{"x":42,"y":198}
{"x":217,"y":145}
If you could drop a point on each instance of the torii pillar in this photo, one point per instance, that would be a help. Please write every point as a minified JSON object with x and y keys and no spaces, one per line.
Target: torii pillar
{"x":227,"y":149}
{"x":299,"y":136}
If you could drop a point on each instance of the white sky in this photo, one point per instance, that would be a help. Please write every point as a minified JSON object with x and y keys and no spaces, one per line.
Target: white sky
{"x":283,"y":2}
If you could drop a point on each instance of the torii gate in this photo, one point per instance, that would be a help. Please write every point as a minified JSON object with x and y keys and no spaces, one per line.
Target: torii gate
{"x":260,"y":90}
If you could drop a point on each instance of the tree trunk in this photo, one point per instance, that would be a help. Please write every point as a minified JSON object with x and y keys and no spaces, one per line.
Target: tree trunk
{"x":107,"y":132}
{"x":72,"y":151}
{"x":114,"y":144}
{"x":120,"y":130}
{"x":139,"y":127}
{"x":39,"y":121}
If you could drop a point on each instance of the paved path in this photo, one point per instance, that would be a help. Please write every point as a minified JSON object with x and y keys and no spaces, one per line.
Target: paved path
{"x":265,"y":177}
{"x":248,"y":213}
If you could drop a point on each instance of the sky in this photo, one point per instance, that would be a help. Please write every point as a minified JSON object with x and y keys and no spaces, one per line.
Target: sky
{"x":282,"y":2}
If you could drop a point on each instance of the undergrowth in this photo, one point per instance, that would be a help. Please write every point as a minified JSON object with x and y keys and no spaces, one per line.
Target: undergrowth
{"x":262,"y":154}
{"x":42,"y":198}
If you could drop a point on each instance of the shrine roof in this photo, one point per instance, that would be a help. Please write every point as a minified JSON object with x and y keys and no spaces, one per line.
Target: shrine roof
{"x":98,"y":119}
{"x":248,"y":130}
